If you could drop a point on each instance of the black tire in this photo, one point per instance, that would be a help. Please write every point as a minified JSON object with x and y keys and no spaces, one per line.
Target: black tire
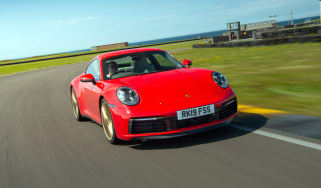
{"x":75,"y":106}
{"x":107,"y":123}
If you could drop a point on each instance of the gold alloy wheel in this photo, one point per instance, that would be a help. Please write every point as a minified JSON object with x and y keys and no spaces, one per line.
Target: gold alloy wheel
{"x":75,"y":104}
{"x":107,"y":122}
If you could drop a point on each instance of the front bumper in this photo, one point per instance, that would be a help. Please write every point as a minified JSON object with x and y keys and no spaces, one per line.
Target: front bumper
{"x":157,"y":127}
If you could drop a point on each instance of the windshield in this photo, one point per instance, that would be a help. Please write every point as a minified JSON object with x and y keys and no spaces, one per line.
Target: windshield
{"x":138,"y":63}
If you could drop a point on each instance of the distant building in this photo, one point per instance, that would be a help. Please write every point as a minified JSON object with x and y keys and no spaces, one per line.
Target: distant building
{"x":233,"y":31}
{"x":109,"y":46}
{"x":236,"y":31}
{"x":259,"y":26}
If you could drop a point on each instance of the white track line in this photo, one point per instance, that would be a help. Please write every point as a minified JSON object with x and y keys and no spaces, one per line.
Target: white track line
{"x":279,"y":137}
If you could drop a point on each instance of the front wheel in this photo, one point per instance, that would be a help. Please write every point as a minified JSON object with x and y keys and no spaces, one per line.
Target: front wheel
{"x":107,"y":123}
{"x":75,"y":106}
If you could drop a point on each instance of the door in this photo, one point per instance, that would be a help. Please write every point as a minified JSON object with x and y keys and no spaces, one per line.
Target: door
{"x":91,"y":92}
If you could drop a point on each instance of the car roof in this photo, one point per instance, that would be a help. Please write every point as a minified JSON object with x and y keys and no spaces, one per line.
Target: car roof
{"x":128,"y":51}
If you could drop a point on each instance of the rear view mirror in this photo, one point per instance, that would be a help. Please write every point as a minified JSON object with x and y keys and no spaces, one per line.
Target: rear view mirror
{"x":187,"y":63}
{"x":87,"y":78}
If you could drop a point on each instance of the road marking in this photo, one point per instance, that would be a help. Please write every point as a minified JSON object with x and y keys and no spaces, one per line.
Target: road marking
{"x":279,"y":137}
{"x":263,"y":111}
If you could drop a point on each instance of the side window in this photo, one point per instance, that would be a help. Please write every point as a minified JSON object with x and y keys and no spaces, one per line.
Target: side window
{"x":163,"y":61}
{"x":94,"y":69}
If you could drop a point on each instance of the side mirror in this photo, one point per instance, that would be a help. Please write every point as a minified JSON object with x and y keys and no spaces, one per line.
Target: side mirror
{"x":87,"y":78}
{"x":187,"y":63}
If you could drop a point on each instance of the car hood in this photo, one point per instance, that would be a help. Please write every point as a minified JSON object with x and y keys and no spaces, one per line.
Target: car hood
{"x":170,"y":87}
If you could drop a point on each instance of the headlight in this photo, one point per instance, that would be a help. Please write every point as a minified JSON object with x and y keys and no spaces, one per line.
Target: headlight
{"x":220,"y":79}
{"x":127,"y":96}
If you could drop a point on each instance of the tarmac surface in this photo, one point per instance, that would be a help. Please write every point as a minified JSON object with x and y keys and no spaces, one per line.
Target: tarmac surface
{"x":41,"y":145}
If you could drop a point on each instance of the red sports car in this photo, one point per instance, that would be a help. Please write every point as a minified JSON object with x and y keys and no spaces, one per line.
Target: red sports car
{"x":147,"y":94}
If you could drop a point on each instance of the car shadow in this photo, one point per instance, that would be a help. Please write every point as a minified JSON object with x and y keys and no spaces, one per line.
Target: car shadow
{"x":253,"y":121}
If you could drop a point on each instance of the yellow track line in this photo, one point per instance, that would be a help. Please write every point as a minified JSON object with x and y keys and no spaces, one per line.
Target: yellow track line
{"x":256,"y":110}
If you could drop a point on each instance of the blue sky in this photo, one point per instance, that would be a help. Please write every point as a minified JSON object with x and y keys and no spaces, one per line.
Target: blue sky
{"x":37,"y":27}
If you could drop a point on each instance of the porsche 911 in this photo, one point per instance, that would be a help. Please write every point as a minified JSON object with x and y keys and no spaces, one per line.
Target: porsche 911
{"x":146,"y":93}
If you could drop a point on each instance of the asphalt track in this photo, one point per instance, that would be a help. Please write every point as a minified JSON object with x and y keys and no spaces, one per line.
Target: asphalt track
{"x":41,"y":145}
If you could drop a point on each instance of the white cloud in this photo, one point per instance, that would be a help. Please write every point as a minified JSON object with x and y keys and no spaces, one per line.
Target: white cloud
{"x":250,"y":8}
{"x":76,"y":20}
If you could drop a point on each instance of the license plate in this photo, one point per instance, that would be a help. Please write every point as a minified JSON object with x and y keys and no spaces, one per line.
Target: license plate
{"x":195,"y":112}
